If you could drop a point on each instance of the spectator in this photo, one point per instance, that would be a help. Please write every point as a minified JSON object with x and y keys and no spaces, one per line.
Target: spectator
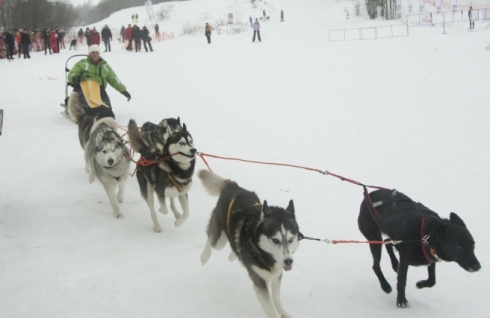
{"x":207,"y":32}
{"x":62,"y":39}
{"x":95,"y":70}
{"x":80,"y":36}
{"x":10,"y":42}
{"x":470,"y":17}
{"x":88,"y":36}
{"x":25,"y":41}
{"x":145,"y":36}
{"x":282,"y":15}
{"x":136,"y":35}
{"x":136,"y":18}
{"x":57,"y":31}
{"x":95,"y":37}
{"x":129,"y":36}
{"x":256,"y":30}
{"x":123,"y":30}
{"x":106,"y":37}
{"x":47,"y":45}
{"x":53,"y":40}
{"x":157,"y":32}
{"x":17,"y":41}
{"x":132,"y":18}
{"x":3,"y":49}
{"x":251,"y":22}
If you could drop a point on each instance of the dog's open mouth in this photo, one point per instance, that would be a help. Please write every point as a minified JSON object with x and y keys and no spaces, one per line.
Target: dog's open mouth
{"x":288,"y":268}
{"x":186,"y":155}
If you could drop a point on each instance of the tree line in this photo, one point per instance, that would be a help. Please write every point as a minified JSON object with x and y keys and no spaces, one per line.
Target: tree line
{"x":40,"y":14}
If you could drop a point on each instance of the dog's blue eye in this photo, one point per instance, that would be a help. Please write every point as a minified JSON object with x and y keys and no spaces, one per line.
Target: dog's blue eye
{"x":275,"y":241}
{"x":291,"y":240}
{"x":181,"y":143}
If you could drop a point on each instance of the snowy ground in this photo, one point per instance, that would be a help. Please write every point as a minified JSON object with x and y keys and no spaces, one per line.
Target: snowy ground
{"x":407,"y":113}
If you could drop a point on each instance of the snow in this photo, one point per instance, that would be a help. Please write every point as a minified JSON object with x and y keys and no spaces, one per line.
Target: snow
{"x":406,"y":113}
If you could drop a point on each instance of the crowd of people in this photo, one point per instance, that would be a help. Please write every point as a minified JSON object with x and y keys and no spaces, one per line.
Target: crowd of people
{"x":22,"y":41}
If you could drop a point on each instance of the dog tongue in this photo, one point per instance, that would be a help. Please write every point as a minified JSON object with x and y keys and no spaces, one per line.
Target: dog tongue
{"x":288,"y":268}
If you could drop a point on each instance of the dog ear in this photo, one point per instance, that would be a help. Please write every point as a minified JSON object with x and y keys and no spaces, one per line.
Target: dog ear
{"x":290,"y":207}
{"x":164,"y":123}
{"x":178,"y":120}
{"x":265,"y":208}
{"x":98,"y":139}
{"x":184,"y":128}
{"x":453,"y":217}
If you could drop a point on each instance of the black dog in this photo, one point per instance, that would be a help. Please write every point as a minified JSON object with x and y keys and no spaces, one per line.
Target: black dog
{"x":424,"y":238}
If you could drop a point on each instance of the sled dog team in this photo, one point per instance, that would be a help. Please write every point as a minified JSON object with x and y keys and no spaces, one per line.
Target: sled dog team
{"x":263,"y":237}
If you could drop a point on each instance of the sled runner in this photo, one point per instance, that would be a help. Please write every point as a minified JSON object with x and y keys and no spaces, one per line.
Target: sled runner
{"x":65,"y":103}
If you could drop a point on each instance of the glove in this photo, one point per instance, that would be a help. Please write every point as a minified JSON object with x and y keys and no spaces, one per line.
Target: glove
{"x":125,"y":93}
{"x":75,"y":80}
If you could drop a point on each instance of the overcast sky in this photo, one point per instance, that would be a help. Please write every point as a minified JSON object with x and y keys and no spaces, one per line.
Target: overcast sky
{"x":78,"y":2}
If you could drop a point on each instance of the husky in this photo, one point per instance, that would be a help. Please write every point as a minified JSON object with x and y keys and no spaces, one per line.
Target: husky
{"x":106,"y":156}
{"x":421,"y":237}
{"x":154,"y":136}
{"x":170,"y":178}
{"x":264,"y":238}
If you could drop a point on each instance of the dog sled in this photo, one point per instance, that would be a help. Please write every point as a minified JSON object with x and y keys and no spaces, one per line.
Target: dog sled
{"x":65,"y":103}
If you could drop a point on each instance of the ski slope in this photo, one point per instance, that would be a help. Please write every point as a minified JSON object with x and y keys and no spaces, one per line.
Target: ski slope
{"x":409,"y":113}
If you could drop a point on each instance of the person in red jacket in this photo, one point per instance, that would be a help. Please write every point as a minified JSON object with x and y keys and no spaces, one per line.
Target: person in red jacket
{"x":53,"y":41}
{"x":95,"y":39}
{"x":129,"y":36}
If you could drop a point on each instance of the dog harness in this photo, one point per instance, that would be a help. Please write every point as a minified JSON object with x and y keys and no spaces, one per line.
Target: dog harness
{"x":176,"y":184}
{"x":228,"y":216}
{"x":429,"y":252}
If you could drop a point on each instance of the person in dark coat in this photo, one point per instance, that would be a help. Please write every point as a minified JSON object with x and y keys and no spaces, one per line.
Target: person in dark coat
{"x":106,"y":37}
{"x":80,"y":36}
{"x":207,"y":32}
{"x":25,"y":41}
{"x":145,"y":36}
{"x":137,"y":38}
{"x":157,"y":32}
{"x":47,"y":44}
{"x":88,"y":36}
{"x":123,"y":31}
{"x":10,"y":42}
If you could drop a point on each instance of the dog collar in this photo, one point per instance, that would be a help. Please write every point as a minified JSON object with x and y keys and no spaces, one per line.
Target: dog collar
{"x":176,"y":184}
{"x":429,"y":252}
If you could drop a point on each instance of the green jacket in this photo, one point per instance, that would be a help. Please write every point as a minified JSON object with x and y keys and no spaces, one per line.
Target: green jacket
{"x":101,"y":73}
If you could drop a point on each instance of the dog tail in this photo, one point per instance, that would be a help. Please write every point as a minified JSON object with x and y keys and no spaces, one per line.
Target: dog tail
{"x":75,"y":109}
{"x":135,"y":139}
{"x":213,"y":183}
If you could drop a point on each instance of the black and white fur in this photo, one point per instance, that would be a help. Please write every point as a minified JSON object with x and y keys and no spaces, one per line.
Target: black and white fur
{"x":158,"y":177}
{"x":263,"y":237}
{"x":154,"y":136}
{"x":106,"y":156}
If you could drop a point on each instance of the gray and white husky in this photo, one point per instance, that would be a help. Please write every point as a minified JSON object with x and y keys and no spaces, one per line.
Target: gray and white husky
{"x":106,"y":156}
{"x":170,"y":178}
{"x":107,"y":159}
{"x":263,"y":237}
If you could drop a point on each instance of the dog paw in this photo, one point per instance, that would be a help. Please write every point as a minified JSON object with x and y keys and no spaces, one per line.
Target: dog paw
{"x":286,"y":315}
{"x":163,"y":210}
{"x":157,"y":228}
{"x":120,"y":198}
{"x":424,"y":284}
{"x":402,"y":302}
{"x":91,"y":177}
{"x":180,"y":220}
{"x":117,"y":214}
{"x":232,"y":257}
{"x":386,"y":288}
